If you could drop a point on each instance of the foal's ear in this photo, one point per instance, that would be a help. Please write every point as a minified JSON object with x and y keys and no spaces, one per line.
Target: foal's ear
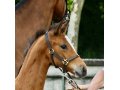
{"x":61,"y":27}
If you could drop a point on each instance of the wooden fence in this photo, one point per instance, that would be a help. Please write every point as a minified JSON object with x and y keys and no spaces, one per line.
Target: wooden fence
{"x":54,"y":79}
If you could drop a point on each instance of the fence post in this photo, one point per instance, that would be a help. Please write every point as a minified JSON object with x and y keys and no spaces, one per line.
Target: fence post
{"x":63,"y":83}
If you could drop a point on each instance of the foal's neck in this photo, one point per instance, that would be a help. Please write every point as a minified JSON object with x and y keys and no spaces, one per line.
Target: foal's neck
{"x":33,"y":72}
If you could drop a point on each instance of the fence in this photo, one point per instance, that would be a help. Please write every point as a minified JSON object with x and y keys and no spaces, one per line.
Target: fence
{"x":55,"y":81}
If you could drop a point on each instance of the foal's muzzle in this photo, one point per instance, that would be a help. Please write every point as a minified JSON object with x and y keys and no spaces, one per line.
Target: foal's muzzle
{"x":80,"y":72}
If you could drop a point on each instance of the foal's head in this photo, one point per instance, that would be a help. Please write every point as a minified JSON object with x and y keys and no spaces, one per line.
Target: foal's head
{"x":61,"y":45}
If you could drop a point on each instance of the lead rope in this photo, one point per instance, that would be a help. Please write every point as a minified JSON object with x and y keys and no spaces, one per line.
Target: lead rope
{"x":70,"y":80}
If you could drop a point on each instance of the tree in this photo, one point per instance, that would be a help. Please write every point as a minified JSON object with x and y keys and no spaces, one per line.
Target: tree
{"x":73,"y":29}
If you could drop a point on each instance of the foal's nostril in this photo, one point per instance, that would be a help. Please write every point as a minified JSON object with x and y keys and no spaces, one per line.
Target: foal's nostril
{"x":84,"y":71}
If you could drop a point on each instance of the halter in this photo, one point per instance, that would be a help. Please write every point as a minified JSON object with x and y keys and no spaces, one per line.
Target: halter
{"x":55,"y":54}
{"x":63,"y":60}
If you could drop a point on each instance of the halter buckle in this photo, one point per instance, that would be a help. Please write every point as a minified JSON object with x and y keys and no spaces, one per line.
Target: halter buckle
{"x":51,"y":51}
{"x":65,"y":61}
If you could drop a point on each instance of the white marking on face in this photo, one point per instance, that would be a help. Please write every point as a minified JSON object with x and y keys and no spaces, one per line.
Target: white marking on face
{"x":69,"y":41}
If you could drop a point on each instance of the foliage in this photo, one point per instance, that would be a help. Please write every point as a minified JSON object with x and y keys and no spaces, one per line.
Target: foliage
{"x":91,"y":31}
{"x":70,"y":5}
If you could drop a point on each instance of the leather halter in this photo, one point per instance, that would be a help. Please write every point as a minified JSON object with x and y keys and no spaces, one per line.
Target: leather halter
{"x":63,"y":60}
{"x":55,"y":54}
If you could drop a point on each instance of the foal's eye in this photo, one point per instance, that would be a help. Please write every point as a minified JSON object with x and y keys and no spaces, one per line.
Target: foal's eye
{"x":63,"y":46}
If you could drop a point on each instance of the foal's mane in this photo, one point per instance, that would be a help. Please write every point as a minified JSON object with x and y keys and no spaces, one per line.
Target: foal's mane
{"x":38,"y":34}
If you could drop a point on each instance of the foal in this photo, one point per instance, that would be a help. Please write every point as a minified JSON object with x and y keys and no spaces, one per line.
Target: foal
{"x":37,"y":61}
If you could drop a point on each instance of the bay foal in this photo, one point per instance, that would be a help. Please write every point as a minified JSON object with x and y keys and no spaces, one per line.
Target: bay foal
{"x":37,"y":61}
